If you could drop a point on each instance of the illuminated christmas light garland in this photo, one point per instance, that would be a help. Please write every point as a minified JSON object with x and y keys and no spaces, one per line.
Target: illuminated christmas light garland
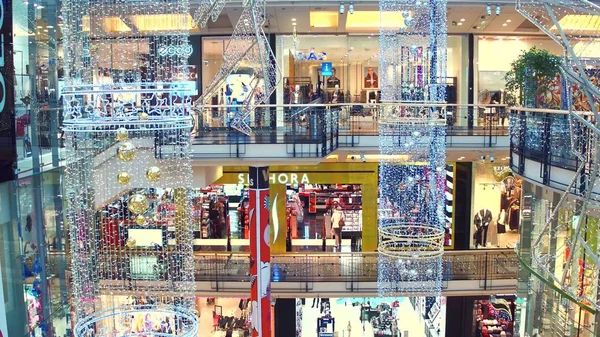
{"x":128,"y":172}
{"x":413,"y":148}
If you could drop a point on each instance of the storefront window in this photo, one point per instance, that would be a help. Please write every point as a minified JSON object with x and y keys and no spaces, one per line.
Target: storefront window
{"x":492,"y":65}
{"x":495,"y":316}
{"x":496,"y":206}
{"x":307,"y":203}
{"x":392,"y":317}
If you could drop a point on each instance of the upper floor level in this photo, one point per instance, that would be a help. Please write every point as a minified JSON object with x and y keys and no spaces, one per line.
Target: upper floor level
{"x":302,"y":131}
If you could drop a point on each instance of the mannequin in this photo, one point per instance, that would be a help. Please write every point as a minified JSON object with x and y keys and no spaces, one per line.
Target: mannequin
{"x":297,"y":94}
{"x":336,"y":94}
{"x":482,"y":220}
{"x":501,"y":226}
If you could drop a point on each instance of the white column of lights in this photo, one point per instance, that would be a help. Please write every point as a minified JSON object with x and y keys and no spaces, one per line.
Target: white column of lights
{"x":574,"y":25}
{"x":413,"y":147}
{"x":249,"y":48}
{"x":127,"y":128}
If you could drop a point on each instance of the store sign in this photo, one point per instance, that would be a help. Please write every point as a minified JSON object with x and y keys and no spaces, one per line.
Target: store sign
{"x":326,"y":69}
{"x":171,"y":50}
{"x":311,"y":56}
{"x":279,"y":178}
{"x":8,"y":150}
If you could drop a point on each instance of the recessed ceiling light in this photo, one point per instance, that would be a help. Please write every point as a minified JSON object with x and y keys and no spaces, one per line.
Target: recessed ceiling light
{"x":504,"y":24}
{"x":462,"y":20}
{"x":459,"y":24}
{"x":508,"y":20}
{"x":293,"y":19}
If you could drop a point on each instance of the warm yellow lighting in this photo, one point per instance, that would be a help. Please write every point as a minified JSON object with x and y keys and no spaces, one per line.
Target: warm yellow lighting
{"x":163,"y":22}
{"x":85,"y":24}
{"x":372,"y":20}
{"x":581,"y":23}
{"x":114,"y":24}
{"x":322,"y":19}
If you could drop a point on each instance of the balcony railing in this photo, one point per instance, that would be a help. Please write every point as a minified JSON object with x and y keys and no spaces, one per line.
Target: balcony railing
{"x":544,"y":136}
{"x":306,"y":267}
{"x":333,"y":125}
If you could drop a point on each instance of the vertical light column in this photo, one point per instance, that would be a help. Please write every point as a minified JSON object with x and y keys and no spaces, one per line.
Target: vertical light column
{"x":412,"y":146}
{"x":128,"y":173}
{"x":260,"y":254}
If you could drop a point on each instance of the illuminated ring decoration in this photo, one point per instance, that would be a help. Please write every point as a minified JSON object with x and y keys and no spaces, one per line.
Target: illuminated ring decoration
{"x":87,"y":326}
{"x":411,"y":241}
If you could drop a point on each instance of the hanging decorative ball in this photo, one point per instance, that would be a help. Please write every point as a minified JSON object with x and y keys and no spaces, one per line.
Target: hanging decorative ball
{"x":405,"y":14}
{"x":143,"y":116}
{"x":153,"y":173}
{"x":140,"y":219}
{"x":122,"y":134}
{"x":123,"y":178}
{"x":138,"y":203}
{"x":408,"y":22}
{"x":126,"y":152}
{"x":130,"y":243}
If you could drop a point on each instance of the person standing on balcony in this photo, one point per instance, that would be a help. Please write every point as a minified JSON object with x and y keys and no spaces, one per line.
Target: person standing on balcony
{"x":337,"y":222}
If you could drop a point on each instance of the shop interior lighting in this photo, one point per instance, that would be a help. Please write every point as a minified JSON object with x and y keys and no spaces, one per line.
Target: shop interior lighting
{"x":497,"y":9}
{"x":372,"y":20}
{"x":342,"y":9}
{"x":488,"y":10}
{"x":323,"y":19}
{"x":351,"y":8}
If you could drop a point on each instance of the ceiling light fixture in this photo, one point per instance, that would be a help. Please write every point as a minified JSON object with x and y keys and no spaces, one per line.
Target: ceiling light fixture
{"x":342,"y":9}
{"x":459,"y":24}
{"x":462,"y":20}
{"x":351,"y":9}
{"x":508,"y":20}
{"x":488,"y":10}
{"x":497,"y":9}
{"x":293,"y":19}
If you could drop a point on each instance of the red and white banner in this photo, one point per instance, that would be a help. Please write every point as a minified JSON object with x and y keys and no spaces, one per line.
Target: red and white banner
{"x":260,"y":251}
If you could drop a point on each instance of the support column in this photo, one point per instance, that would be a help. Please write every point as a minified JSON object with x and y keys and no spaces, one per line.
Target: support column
{"x":260,"y":255}
{"x":278,"y":217}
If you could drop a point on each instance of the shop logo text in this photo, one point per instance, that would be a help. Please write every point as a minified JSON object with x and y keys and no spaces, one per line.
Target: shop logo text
{"x":279,"y":178}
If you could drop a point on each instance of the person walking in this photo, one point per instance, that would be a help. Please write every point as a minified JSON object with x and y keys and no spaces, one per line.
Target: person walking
{"x":337,"y":222}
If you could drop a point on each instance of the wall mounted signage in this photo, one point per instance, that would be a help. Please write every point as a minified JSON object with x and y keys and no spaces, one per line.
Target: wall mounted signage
{"x":311,"y":55}
{"x":171,"y":50}
{"x":326,"y":69}
{"x":279,"y":178}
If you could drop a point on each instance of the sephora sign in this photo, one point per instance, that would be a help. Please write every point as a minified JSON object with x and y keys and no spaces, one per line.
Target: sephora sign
{"x":8,"y":143}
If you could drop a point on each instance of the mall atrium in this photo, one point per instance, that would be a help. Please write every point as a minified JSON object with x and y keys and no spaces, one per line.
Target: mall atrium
{"x":318,"y":168}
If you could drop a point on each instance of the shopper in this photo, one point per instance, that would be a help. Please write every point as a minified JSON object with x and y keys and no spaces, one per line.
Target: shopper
{"x":349,"y":328}
{"x":337,"y":223}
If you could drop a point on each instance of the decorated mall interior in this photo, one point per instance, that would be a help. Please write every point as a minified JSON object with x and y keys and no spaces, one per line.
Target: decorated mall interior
{"x":319,"y":168}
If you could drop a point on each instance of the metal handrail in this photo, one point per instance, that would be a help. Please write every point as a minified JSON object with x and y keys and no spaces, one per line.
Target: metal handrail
{"x":291,"y":267}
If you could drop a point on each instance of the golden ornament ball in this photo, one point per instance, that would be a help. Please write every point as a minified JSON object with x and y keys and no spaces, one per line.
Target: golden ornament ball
{"x":126,"y":152}
{"x":122,"y":134}
{"x":143,"y":116}
{"x":140,"y":219}
{"x":153,"y":173}
{"x":123,"y":178}
{"x":138,"y":204}
{"x":130,"y":243}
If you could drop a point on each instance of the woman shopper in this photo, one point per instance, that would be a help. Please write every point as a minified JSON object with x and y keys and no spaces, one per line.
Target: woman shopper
{"x":337,"y":222}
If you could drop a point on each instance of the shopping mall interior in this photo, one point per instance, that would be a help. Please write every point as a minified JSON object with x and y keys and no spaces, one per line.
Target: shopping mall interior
{"x":318,"y":168}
